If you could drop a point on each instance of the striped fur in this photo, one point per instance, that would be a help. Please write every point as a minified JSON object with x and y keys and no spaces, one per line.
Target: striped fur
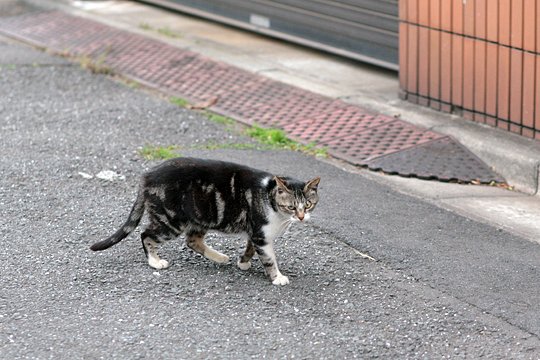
{"x":193,"y":196}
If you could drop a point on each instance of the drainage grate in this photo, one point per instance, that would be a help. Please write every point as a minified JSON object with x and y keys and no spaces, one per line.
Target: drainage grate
{"x":349,"y":132}
{"x":326,"y":127}
{"x":377,"y":141}
{"x":442,"y":159}
{"x":295,"y":106}
{"x":270,"y":103}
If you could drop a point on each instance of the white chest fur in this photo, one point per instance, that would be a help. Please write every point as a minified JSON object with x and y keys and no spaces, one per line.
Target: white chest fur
{"x":277,"y":225}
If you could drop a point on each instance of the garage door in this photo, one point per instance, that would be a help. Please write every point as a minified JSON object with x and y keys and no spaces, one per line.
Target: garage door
{"x":366,"y":30}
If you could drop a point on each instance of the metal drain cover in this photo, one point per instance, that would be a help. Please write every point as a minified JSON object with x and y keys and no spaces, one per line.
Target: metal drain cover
{"x":443,"y":159}
{"x":361,"y":147}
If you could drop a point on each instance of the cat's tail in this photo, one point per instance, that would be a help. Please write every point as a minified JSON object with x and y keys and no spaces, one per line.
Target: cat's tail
{"x":131,"y":223}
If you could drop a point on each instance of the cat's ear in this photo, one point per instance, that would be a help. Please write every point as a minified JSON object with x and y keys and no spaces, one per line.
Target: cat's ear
{"x":312,"y":184}
{"x":282,"y":184}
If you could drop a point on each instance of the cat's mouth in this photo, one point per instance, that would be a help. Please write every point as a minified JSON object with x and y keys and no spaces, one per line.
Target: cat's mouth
{"x":300,"y":217}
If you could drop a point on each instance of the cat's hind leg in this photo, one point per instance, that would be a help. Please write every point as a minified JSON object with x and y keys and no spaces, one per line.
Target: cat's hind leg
{"x":244,"y":262}
{"x":195,"y":241}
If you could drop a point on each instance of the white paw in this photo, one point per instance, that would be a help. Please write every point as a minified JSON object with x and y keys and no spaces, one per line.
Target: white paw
{"x":158,"y":263}
{"x":281,"y":280}
{"x":221,"y":258}
{"x":244,"y":266}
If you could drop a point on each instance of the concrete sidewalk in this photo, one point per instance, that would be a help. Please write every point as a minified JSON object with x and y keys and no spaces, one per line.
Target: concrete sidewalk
{"x":355,"y":83}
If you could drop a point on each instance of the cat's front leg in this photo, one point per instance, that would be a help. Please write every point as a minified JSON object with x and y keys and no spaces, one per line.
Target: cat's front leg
{"x":268,"y":259}
{"x":244,"y":263}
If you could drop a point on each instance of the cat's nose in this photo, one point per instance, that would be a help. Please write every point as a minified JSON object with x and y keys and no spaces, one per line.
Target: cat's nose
{"x":300,"y":216}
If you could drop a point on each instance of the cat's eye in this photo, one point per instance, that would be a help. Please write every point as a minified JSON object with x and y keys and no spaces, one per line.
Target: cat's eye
{"x":290,"y":207}
{"x":308,"y":204}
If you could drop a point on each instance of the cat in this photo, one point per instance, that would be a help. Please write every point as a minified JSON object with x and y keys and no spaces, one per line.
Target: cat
{"x":193,"y":196}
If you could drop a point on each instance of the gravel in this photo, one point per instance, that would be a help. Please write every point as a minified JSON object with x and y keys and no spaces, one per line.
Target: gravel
{"x":59,"y":300}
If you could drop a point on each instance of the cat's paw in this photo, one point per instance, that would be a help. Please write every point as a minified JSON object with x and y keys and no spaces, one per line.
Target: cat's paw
{"x":243,"y":266}
{"x":221,"y":258}
{"x":158,"y":264}
{"x":281,"y":280}
{"x":215,"y":256}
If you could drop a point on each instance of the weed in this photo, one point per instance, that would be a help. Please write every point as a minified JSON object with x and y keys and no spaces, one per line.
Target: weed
{"x":179,"y":101}
{"x":151,"y":152}
{"x":273,"y":137}
{"x":219,"y":119}
{"x":8,"y":66}
{"x":145,"y":26}
{"x":96,"y":66}
{"x":314,"y":150}
{"x":132,"y":83}
{"x":277,"y":139}
{"x":166,"y":31}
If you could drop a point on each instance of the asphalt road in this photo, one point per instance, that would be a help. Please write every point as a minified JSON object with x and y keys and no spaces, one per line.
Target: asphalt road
{"x":442,"y":285}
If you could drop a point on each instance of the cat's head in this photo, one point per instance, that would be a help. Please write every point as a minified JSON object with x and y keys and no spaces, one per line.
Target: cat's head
{"x":295,"y":198}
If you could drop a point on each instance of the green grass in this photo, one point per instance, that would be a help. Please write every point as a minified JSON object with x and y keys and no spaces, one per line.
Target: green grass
{"x":273,"y":137}
{"x":166,"y":31}
{"x":277,"y":139}
{"x":8,"y":66}
{"x":96,"y":66}
{"x":179,"y":101}
{"x":219,"y":119}
{"x":314,"y":150}
{"x":151,"y":152}
{"x":132,"y":83}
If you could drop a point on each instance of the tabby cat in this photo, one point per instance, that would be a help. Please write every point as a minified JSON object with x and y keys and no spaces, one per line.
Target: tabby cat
{"x":193,"y":196}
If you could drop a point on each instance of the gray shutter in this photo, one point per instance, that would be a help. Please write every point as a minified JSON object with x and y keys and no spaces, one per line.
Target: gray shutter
{"x":366,"y":30}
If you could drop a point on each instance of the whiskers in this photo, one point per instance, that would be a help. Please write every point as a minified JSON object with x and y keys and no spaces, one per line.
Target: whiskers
{"x":284,"y":225}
